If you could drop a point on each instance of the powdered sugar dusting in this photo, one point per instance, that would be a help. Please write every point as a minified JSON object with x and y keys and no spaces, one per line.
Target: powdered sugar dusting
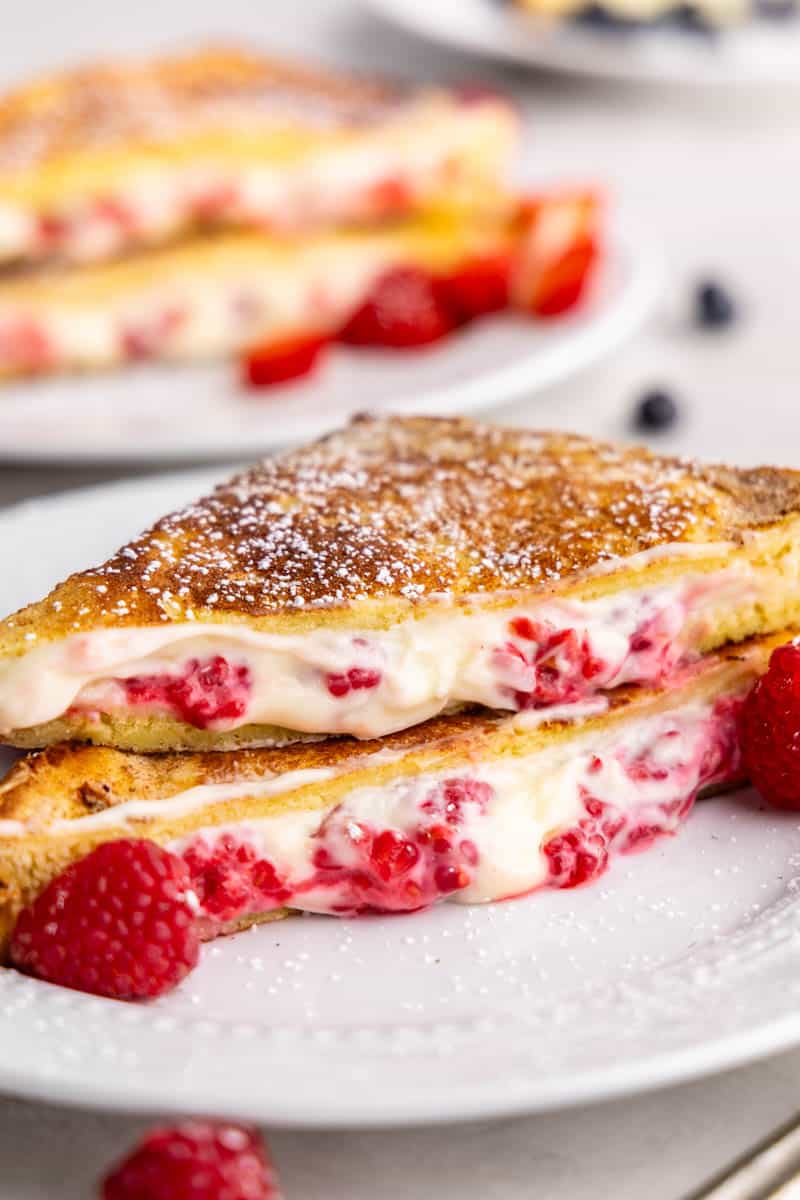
{"x":104,"y":106}
{"x":412,"y":510}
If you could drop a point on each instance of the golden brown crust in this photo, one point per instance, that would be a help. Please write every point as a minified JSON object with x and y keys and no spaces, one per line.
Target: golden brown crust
{"x":393,"y":517}
{"x":108,"y":106}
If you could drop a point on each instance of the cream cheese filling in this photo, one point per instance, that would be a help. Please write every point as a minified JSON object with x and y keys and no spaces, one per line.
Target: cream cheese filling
{"x":532,"y":800}
{"x":416,"y":669}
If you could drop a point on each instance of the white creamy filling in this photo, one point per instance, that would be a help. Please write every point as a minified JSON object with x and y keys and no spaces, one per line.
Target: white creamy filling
{"x":189,"y":317}
{"x":533,"y":798}
{"x":332,"y":184}
{"x":452,"y":656}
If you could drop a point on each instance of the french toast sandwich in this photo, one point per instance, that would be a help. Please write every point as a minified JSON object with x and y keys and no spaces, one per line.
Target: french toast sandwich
{"x":218,"y":295}
{"x":398,"y":570}
{"x":470,"y":807}
{"x":102,"y":159}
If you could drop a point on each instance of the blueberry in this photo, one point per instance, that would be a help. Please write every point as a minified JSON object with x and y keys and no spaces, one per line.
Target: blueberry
{"x":655,"y":411}
{"x":714,"y":306}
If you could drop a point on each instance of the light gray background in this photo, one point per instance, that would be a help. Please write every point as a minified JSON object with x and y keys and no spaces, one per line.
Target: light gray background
{"x":717,"y":183}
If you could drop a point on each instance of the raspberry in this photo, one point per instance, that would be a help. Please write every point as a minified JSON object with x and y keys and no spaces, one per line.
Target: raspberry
{"x":118,"y":923}
{"x":476,"y":289}
{"x":403,"y":310}
{"x":769,"y":727}
{"x":195,"y":1160}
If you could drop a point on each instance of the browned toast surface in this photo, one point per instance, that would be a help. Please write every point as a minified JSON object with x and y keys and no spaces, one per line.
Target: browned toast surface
{"x":390,"y":516}
{"x":119,"y":105}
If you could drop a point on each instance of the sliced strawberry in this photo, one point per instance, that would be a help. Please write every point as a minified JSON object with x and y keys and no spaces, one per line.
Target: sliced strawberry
{"x":280,"y":361}
{"x":479,"y":287}
{"x":559,"y":248}
{"x":563,"y":286}
{"x":402,"y":310}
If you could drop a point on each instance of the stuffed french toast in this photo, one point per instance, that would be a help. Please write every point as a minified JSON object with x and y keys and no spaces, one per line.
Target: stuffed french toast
{"x":470,"y":807}
{"x":102,"y":159}
{"x":396,"y":571}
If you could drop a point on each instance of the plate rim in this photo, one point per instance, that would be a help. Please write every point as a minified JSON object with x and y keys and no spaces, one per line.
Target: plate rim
{"x":525,"y":1093}
{"x":567,"y":62}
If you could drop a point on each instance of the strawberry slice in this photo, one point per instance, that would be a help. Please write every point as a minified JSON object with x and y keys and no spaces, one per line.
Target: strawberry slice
{"x":478,"y":288}
{"x":559,"y":248}
{"x":280,"y":361}
{"x":402,"y":310}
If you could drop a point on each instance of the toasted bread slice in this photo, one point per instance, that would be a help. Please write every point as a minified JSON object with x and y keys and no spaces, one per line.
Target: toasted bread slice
{"x":470,"y":807}
{"x":216,"y":296}
{"x":100,"y":159}
{"x":228,"y":293}
{"x":397,"y":569}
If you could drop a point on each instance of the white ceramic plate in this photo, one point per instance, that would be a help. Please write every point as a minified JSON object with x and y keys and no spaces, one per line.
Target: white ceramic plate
{"x":201,"y":413}
{"x":764,"y":52}
{"x":680,"y":962}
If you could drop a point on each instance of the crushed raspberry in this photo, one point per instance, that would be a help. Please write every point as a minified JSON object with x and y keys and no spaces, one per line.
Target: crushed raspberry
{"x":206,"y":693}
{"x":770,"y":730}
{"x":355,"y":867}
{"x":25,"y":346}
{"x":214,"y":203}
{"x":402,"y":311}
{"x":392,"y":855}
{"x":576,"y":857}
{"x":281,"y":361}
{"x":115,"y":212}
{"x":558,"y":665}
{"x":229,"y":878}
{"x":556,"y":669}
{"x":52,"y":229}
{"x":355,"y":680}
{"x":118,"y":923}
{"x":476,"y":289}
{"x":451,"y":798}
{"x":195,"y":1160}
{"x":581,"y":854}
{"x":389,"y":871}
{"x":146,"y":339}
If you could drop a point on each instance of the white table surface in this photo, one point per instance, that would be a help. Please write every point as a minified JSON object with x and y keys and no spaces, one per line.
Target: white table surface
{"x":717,"y":182}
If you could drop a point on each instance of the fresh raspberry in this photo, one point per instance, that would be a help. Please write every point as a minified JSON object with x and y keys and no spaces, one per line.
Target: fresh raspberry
{"x":282,"y":361}
{"x":118,"y":923}
{"x":477,"y":289}
{"x":195,"y":1160}
{"x":769,"y":727}
{"x":402,"y":311}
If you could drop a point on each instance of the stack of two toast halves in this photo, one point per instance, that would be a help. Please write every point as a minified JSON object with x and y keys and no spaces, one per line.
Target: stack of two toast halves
{"x":220,"y":202}
{"x":419,"y":660}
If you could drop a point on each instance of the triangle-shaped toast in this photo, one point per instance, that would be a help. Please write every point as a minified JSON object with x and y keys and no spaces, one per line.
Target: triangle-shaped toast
{"x":395,"y":571}
{"x":115,"y":155}
{"x":470,"y":807}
